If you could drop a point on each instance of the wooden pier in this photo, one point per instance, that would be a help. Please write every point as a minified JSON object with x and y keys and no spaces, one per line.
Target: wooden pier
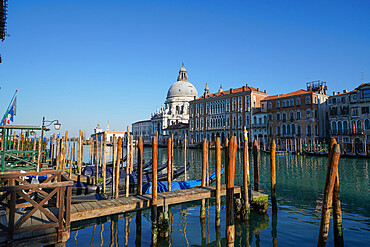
{"x":88,"y":210}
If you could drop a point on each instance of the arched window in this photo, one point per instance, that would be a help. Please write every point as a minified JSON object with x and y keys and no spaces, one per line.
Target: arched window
{"x":359,"y":125}
{"x":288,"y":129}
{"x":291,"y":117}
{"x":269,"y":105}
{"x":309,"y":130}
{"x":284,"y":103}
{"x":334,"y":127}
{"x":299,"y":130}
{"x":293,"y":129}
{"x":298,"y":114}
{"x":340,"y":129}
{"x":308,"y":100}
{"x":291,"y":102}
{"x":298,"y":101}
{"x":284,"y":129}
{"x":367,"y":124}
{"x":345,"y":126}
{"x":277,"y":104}
{"x":284,"y":116}
{"x":278,"y":130}
{"x":308,"y":113}
{"x":254,"y":120}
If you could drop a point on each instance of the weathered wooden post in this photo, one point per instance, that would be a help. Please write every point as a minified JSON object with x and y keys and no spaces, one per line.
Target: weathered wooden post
{"x":118,"y":166}
{"x":104,"y":168}
{"x":114,"y":165}
{"x":57,"y":154}
{"x":255,"y":164}
{"x":245,"y":173}
{"x":81,"y":150}
{"x":169,"y":155}
{"x":337,"y":209}
{"x":128,"y":162}
{"x":131,"y":153}
{"x":273,"y":175}
{"x":39,"y":155}
{"x":140,"y":166}
{"x":226,"y":152}
{"x":328,"y":194}
{"x":154,"y":190}
{"x":97,"y":158}
{"x":90,"y":153}
{"x":70,"y":162}
{"x":218,"y":182}
{"x":204,"y":177}
{"x":185,"y":154}
{"x":230,"y":227}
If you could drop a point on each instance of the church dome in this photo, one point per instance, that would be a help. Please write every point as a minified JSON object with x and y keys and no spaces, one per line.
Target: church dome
{"x":182,"y":88}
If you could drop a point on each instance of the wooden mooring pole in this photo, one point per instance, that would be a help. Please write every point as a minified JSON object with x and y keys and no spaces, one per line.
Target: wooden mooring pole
{"x":104,"y":169}
{"x":140,"y":165}
{"x":118,"y":160}
{"x":273,"y":175}
{"x":128,"y":153}
{"x":218,"y":182}
{"x":230,"y":227}
{"x":328,"y":194}
{"x":154,"y":190}
{"x":245,"y":174}
{"x":204,"y":176}
{"x":255,"y":164}
{"x":337,"y":209}
{"x":169,"y":156}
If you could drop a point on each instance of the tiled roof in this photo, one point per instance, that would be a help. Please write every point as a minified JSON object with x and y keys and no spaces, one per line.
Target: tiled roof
{"x":295,"y":93}
{"x":144,"y":121}
{"x":234,"y":90}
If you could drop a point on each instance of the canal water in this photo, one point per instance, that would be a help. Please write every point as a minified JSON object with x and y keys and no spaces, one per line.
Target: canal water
{"x":300,"y":185}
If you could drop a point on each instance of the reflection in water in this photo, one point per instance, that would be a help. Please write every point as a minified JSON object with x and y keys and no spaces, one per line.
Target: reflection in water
{"x":299,"y":191}
{"x":93,"y":235}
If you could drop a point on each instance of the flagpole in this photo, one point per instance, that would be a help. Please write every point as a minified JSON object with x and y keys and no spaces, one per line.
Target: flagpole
{"x":11,"y":102}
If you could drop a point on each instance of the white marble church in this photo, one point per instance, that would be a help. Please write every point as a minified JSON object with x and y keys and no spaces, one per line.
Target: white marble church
{"x":176,"y":106}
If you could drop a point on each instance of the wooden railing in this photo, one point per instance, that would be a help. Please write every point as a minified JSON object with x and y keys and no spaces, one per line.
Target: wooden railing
{"x":52,"y":197}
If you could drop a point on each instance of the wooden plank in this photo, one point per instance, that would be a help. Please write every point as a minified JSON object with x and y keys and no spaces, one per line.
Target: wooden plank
{"x":36,"y":220}
{"x":79,"y":207}
{"x":73,"y":208}
{"x":28,"y":223}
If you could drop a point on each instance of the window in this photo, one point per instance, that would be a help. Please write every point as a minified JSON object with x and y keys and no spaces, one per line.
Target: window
{"x":284,"y":104}
{"x":344,"y":111}
{"x":333,"y":111}
{"x":277,"y":104}
{"x":315,"y":111}
{"x":308,"y":113}
{"x":343,"y":99}
{"x":254,"y":120}
{"x":334,"y":127}
{"x":288,"y":129}
{"x":367,"y":124}
{"x":309,"y":130}
{"x":365,"y":93}
{"x":291,"y":117}
{"x":345,"y":139}
{"x":270,"y":117}
{"x":365,"y":110}
{"x":354,"y":111}
{"x":240,"y":103}
{"x":284,"y":130}
{"x":278,"y":130}
{"x":359,"y":125}
{"x":298,"y":114}
{"x":298,"y":101}
{"x":293,"y":129}
{"x":334,"y":100}
{"x":270,"y":130}
{"x":291,"y":102}
{"x":234,"y":105}
{"x":340,"y":129}
{"x":345,"y":126}
{"x":269,"y":105}
{"x":299,"y":130}
{"x":278,"y":116}
{"x":284,"y":116}
{"x":308,"y":100}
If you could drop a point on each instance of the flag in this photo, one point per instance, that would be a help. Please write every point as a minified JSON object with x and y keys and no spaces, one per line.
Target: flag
{"x":10,"y":112}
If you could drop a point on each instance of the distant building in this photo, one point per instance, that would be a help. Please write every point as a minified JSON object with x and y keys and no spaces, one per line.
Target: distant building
{"x":143,"y":128}
{"x":224,"y":114}
{"x":176,"y":106}
{"x":300,"y":114}
{"x":100,"y":133}
{"x":258,"y":129}
{"x":178,"y":131}
{"x":350,"y":118}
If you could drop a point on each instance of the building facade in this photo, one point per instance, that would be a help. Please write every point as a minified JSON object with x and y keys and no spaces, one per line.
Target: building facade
{"x":178,"y":132}
{"x":298,"y":115}
{"x":223,"y":114}
{"x":100,"y":133}
{"x":349,"y":119}
{"x":176,"y":106}
{"x":143,"y":128}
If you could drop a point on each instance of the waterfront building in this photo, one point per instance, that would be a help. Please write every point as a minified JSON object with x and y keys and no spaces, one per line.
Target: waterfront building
{"x":143,"y":128}
{"x":258,"y":128}
{"x":349,"y":118}
{"x":223,"y":114}
{"x":176,"y":106}
{"x":178,"y":131}
{"x":298,"y":115}
{"x":99,"y":132}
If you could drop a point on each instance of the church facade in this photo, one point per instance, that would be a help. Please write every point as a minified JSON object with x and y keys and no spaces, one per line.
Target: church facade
{"x":176,"y":106}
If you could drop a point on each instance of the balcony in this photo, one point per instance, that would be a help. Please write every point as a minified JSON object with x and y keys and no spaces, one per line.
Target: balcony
{"x":259,"y":125}
{"x":358,"y":131}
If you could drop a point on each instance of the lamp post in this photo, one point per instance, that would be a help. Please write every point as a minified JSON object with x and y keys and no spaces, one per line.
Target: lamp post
{"x":48,"y":123}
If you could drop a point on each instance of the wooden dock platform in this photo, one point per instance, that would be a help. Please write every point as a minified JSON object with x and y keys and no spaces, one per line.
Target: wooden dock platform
{"x":88,"y":210}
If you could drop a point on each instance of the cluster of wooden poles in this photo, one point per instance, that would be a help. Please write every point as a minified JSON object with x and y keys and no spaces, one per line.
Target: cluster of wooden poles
{"x":300,"y":145}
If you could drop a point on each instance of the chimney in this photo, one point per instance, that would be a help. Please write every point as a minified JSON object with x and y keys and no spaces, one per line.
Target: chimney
{"x":258,"y":89}
{"x":338,"y":93}
{"x":246,"y":85}
{"x":333,"y":93}
{"x":345,"y":91}
{"x":231,"y":90}
{"x":244,"y":88}
{"x":264,"y":91}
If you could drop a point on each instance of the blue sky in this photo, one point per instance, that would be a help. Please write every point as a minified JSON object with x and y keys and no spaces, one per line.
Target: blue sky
{"x":89,"y":62}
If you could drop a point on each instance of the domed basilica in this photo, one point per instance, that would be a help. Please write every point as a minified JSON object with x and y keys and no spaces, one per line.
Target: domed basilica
{"x":176,"y":106}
